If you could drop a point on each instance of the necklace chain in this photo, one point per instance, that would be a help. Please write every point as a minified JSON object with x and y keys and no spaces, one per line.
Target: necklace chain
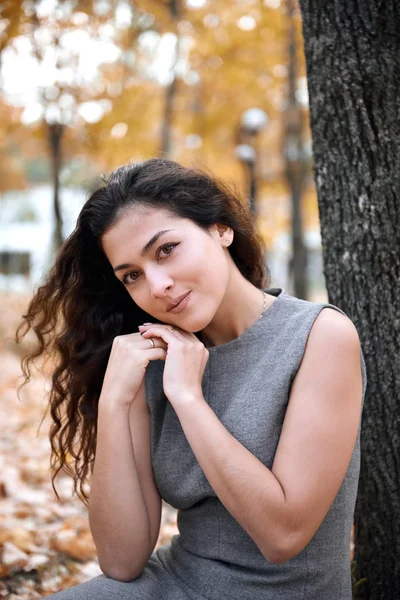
{"x":264,"y":304}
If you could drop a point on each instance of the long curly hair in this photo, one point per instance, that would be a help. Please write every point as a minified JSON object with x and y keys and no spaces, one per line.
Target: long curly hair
{"x":81,"y":306}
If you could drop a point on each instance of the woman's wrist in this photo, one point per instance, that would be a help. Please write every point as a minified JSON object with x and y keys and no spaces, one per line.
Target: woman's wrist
{"x":188,"y":397}
{"x":112,"y":404}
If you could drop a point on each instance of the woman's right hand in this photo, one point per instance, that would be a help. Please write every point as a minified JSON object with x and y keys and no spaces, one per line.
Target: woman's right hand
{"x":129,"y":358}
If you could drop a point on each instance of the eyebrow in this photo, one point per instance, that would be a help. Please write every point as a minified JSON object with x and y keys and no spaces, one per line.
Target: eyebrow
{"x":145,"y":248}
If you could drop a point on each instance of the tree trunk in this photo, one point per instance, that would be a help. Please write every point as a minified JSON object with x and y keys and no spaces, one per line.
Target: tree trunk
{"x":295,"y":167}
{"x":170,"y":93}
{"x":55,"y":132}
{"x":168,"y":117}
{"x":353,"y":62}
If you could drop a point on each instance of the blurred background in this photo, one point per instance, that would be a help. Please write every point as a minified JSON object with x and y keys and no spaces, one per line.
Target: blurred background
{"x":85,"y":87}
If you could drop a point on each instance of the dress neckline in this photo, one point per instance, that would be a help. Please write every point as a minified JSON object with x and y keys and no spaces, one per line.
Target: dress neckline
{"x":278,"y":293}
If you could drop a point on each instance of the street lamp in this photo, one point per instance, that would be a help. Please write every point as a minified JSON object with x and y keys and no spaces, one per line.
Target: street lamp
{"x":252,"y":122}
{"x":247,"y":156}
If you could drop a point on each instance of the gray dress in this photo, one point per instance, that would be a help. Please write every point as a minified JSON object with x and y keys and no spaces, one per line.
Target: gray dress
{"x":247,"y":383}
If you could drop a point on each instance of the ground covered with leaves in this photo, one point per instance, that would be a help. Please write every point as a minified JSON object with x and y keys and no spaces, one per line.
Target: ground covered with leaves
{"x":45,"y":543}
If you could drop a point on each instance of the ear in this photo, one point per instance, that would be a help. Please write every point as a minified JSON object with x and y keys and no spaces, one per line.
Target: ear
{"x":223,"y":233}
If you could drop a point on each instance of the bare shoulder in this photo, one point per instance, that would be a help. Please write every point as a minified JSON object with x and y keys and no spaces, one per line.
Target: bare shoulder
{"x":333,"y":332}
{"x":332,"y":358}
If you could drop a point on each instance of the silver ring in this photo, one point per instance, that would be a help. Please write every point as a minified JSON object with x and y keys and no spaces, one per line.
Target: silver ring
{"x":152,"y":342}
{"x":172,"y":329}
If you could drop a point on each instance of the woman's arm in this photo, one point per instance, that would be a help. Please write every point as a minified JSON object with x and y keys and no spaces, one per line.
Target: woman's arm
{"x":282,"y":508}
{"x":140,"y":426}
{"x":118,"y":514}
{"x":320,"y":427}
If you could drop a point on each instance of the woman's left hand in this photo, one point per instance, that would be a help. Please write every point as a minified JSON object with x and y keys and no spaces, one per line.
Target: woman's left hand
{"x":184,"y":364}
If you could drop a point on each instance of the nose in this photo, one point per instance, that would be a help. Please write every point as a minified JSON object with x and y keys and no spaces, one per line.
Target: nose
{"x":159,"y":282}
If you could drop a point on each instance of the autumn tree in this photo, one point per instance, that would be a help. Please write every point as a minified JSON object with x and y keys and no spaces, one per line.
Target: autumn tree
{"x":12,"y":18}
{"x":231,"y":56}
{"x":11,"y":165}
{"x":353,"y":62}
{"x":68,"y":97}
{"x":52,"y":30}
{"x":174,"y":12}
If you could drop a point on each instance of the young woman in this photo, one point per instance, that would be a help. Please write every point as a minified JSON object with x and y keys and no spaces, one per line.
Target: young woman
{"x":181,"y":376}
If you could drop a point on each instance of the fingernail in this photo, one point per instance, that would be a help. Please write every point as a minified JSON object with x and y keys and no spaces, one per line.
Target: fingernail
{"x":147,"y":323}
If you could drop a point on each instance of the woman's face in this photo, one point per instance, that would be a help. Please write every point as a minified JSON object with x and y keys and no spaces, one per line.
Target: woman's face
{"x":160,"y":258}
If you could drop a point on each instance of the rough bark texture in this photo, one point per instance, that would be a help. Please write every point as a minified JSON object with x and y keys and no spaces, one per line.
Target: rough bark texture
{"x":352,"y":51}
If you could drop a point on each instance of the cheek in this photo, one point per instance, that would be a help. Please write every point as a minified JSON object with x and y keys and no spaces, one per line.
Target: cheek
{"x":141,"y":297}
{"x":218,"y":268}
{"x":190,"y":264}
{"x":212,"y":278}
{"x":207,"y":258}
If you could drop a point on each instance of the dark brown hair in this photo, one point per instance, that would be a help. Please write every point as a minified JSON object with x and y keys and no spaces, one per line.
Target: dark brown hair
{"x":81,"y":307}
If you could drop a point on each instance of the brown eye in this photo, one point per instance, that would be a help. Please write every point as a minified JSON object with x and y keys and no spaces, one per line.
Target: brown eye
{"x":167,"y":249}
{"x":126,"y":280}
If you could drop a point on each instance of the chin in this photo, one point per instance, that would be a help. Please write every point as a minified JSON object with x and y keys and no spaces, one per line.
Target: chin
{"x":195,"y":325}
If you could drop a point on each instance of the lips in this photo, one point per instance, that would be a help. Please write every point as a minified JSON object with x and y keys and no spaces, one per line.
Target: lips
{"x":177,"y":301}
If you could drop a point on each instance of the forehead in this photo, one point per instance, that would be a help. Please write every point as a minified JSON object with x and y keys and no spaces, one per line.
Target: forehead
{"x":135,"y":227}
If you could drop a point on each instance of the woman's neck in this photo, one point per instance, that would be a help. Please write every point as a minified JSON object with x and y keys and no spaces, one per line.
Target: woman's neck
{"x":241,"y":306}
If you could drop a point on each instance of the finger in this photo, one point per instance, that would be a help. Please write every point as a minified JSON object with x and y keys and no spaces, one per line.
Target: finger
{"x":145,"y":326}
{"x":180,"y":333}
{"x":165,"y":334}
{"x":156,"y":354}
{"x":190,"y":337}
{"x":151,"y":343}
{"x":184,"y":336}
{"x":137,"y":338}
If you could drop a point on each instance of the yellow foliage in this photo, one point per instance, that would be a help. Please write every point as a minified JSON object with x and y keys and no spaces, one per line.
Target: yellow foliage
{"x":12,"y":174}
{"x":233,"y":57}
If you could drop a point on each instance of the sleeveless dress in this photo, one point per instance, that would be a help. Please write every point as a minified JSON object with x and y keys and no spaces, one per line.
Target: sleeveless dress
{"x":247,"y":383}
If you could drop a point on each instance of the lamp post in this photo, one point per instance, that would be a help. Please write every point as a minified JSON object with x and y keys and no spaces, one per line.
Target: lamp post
{"x":252,"y":122}
{"x":247,"y":156}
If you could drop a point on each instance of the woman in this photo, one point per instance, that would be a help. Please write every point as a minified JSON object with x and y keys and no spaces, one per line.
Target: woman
{"x":180,"y":377}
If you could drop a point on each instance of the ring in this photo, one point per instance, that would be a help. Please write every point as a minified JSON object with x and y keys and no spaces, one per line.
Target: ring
{"x":172,"y":329}
{"x":152,"y":342}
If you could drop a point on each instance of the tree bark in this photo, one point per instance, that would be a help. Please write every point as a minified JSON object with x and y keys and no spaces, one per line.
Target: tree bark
{"x":352,"y":52}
